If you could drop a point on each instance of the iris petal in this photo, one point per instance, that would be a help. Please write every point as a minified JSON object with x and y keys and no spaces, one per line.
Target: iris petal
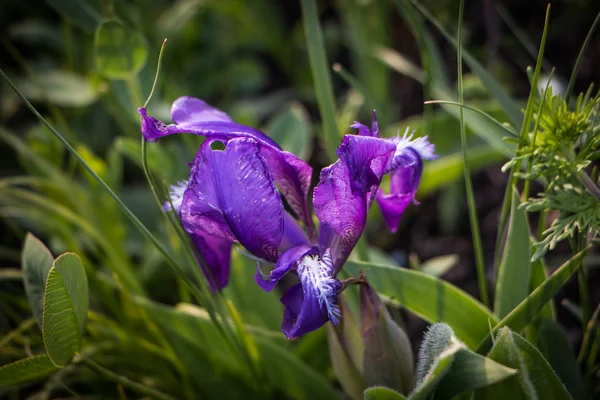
{"x":285,"y":263}
{"x":194,"y":116}
{"x":312,"y":302}
{"x":346,"y":190}
{"x":216,"y":254}
{"x":232,"y":195}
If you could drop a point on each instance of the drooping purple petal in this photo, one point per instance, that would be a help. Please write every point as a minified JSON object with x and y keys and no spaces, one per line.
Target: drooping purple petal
{"x":215,"y":258}
{"x":346,"y":190}
{"x":194,"y":116}
{"x":232,"y":195}
{"x":405,"y":169}
{"x":286,"y":261}
{"x":312,"y":302}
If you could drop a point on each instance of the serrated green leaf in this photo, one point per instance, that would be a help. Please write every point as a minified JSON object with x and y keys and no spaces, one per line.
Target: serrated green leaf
{"x":65,"y":308}
{"x":36,"y":263}
{"x":86,"y":14}
{"x":512,"y":285}
{"x":382,"y":393}
{"x":535,"y":379}
{"x":120,"y":51}
{"x":430,"y":298}
{"x":25,"y":370}
{"x":291,"y":129}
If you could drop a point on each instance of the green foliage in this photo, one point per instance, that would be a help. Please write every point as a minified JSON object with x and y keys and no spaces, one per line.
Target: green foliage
{"x":120,"y":51}
{"x":430,"y":298}
{"x":89,"y":72}
{"x":446,"y":368}
{"x":28,"y":369}
{"x":36,"y":263}
{"x":65,"y":308}
{"x":558,"y":151}
{"x":512,"y":283}
{"x":535,"y":378}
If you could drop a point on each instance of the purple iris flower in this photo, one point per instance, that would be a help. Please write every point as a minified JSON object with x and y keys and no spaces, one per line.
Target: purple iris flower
{"x":237,"y":195}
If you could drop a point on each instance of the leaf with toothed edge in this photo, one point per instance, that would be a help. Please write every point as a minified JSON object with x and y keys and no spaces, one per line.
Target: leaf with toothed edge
{"x":65,"y":308}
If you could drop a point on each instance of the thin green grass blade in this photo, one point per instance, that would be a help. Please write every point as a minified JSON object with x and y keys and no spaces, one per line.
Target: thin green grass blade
{"x":510,"y":106}
{"x":132,"y":217}
{"x":500,"y":236}
{"x":584,"y":47}
{"x":475,"y":233}
{"x":321,"y":76}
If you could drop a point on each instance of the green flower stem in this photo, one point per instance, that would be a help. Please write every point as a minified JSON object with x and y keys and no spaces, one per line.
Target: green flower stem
{"x":475,"y":233}
{"x":124,"y":381}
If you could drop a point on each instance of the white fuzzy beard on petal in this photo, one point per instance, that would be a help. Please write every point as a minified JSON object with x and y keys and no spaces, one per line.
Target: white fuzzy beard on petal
{"x":421,"y":145}
{"x":176,"y":195}
{"x":315,"y":272}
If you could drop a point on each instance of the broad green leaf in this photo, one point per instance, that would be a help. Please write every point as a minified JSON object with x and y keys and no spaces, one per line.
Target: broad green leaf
{"x":382,"y":393}
{"x":25,"y":370}
{"x":430,"y":298}
{"x":61,"y":88}
{"x":512,"y":284}
{"x":86,"y":14}
{"x":554,"y":345}
{"x":120,"y":51}
{"x":535,"y":379}
{"x":65,"y":308}
{"x":36,"y":263}
{"x":529,"y":308}
{"x":291,"y":129}
{"x":446,"y":368}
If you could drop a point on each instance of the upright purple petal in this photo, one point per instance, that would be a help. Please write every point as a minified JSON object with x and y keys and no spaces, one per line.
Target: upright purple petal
{"x":215,"y":258}
{"x":232,"y":195}
{"x":405,"y":169}
{"x":346,"y":190}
